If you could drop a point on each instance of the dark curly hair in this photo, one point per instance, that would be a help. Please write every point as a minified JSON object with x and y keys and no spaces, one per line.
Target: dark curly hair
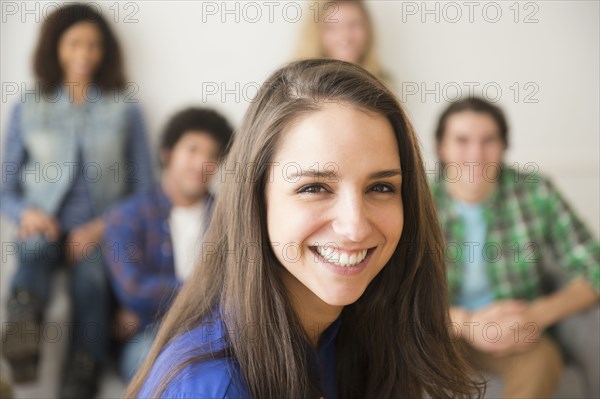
{"x":46,"y":65}
{"x":197,"y":119}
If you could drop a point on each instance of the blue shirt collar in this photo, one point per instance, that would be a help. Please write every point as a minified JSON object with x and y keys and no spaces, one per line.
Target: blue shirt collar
{"x":330,"y":333}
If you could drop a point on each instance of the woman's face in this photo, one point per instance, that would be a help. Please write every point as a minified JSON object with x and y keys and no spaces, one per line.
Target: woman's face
{"x":344,"y":35}
{"x":334,"y":204}
{"x":80,"y":51}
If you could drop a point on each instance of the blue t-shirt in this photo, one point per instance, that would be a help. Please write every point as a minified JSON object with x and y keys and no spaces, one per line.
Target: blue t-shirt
{"x":476,"y":291}
{"x":220,"y":378}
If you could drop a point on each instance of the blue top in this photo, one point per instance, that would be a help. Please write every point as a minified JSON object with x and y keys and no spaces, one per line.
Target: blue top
{"x":476,"y":290}
{"x":220,"y":378}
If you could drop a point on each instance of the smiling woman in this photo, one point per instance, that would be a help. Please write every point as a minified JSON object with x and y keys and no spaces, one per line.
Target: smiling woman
{"x":347,"y":225}
{"x":358,"y":307}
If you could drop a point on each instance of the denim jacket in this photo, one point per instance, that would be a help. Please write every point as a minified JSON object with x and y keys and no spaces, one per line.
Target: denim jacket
{"x":62,"y":141}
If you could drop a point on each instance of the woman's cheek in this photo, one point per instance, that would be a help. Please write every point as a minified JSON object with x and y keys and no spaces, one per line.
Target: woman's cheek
{"x":305,"y":222}
{"x":391,"y":222}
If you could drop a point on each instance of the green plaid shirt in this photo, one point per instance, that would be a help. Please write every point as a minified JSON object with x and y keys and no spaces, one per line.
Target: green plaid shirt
{"x":528,"y":222}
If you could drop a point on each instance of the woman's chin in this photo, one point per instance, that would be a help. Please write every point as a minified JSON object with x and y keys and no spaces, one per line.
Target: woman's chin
{"x":340,"y":298}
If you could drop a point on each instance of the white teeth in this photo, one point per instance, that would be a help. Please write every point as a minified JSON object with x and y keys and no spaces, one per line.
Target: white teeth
{"x":341,"y":258}
{"x":344,"y":258}
{"x":352,"y":259}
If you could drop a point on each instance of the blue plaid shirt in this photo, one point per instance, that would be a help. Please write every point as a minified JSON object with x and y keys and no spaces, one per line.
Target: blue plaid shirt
{"x":139,"y":253}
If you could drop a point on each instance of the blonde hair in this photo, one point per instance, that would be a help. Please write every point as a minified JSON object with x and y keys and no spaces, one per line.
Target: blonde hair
{"x":310,"y":46}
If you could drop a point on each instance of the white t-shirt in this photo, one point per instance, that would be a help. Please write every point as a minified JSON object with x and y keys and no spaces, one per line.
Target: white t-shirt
{"x":187,"y":226}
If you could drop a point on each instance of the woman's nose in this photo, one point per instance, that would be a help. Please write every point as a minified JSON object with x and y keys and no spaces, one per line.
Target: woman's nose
{"x":351,"y":219}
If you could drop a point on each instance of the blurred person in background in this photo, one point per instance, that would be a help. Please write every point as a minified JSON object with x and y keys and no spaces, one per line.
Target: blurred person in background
{"x":152,"y":240}
{"x":502,"y":227}
{"x":79,"y":123}
{"x":341,"y":30}
{"x":155,"y":238}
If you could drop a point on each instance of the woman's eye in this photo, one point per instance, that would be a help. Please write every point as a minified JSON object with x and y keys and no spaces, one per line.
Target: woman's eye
{"x":383,"y":188}
{"x":312,"y":189}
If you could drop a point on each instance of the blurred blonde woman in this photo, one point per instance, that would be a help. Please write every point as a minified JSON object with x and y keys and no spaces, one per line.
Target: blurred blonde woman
{"x":341,"y":30}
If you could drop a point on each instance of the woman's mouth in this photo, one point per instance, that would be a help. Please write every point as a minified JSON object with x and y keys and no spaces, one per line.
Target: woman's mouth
{"x":342,"y":261}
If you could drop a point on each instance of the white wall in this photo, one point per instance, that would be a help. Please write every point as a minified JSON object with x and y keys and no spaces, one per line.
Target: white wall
{"x":171,"y":54}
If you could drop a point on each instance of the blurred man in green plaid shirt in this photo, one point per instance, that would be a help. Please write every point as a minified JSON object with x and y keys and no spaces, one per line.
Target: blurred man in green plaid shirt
{"x":503,"y":227}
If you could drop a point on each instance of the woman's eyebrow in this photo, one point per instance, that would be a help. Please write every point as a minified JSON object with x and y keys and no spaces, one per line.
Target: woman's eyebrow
{"x":385,"y":173}
{"x":332,"y":174}
{"x":322,"y":174}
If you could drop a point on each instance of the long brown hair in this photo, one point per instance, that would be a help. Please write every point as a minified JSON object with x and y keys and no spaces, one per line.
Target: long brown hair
{"x":394,"y":341}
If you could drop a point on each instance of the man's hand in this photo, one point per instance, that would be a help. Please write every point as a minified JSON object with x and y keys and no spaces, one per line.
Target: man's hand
{"x":504,"y":327}
{"x":127,"y":324}
{"x":511,"y":326}
{"x":79,"y":239}
{"x":35,"y":221}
